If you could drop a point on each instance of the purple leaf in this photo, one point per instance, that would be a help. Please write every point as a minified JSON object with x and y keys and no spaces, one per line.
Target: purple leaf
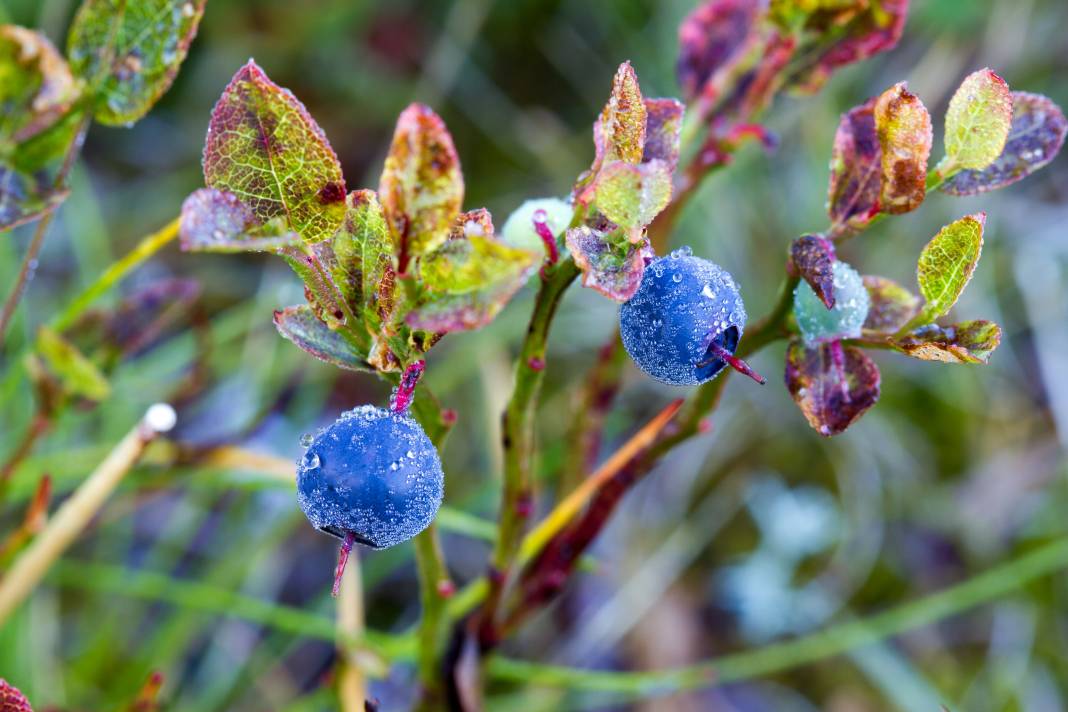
{"x":1037,"y":134}
{"x":856,"y":169}
{"x":892,"y":306}
{"x":832,"y":384}
{"x":610,"y":263}
{"x":217,"y":221}
{"x":663,"y":127}
{"x":711,"y":40}
{"x":813,"y":257}
{"x":300,"y":325}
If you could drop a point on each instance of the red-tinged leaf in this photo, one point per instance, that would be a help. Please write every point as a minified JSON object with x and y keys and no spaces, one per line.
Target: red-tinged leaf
{"x":218,"y":221}
{"x":11,"y":700}
{"x":711,"y":39}
{"x":966,"y":342}
{"x":264,"y":147}
{"x":978,"y":121}
{"x":632,"y":195}
{"x":610,"y":262}
{"x":621,"y":126}
{"x":1037,"y":134}
{"x":129,"y":51}
{"x":663,"y":131}
{"x":892,"y":306}
{"x":904,"y":129}
{"x":422,"y":187}
{"x":813,"y":256}
{"x":833,"y":385}
{"x":841,"y":33}
{"x":470,"y":278}
{"x":300,"y":325}
{"x":856,"y":169}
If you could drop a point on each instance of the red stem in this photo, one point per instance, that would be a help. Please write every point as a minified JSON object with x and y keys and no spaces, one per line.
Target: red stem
{"x":541,"y":226}
{"x":718,"y":352}
{"x":342,"y":561}
{"x":405,"y":390}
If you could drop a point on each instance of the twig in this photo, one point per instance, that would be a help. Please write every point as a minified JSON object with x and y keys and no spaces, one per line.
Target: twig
{"x":76,"y":513}
{"x":29,"y":260}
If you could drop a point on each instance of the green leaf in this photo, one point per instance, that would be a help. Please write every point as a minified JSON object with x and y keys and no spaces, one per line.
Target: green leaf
{"x":947,"y":263}
{"x":75,"y":372}
{"x":130,"y":51}
{"x":365,"y":272}
{"x":470,"y":278}
{"x":265,"y":148}
{"x":632,"y":195}
{"x":1037,"y":134}
{"x":610,"y":262}
{"x":38,"y":123}
{"x":833,"y":385}
{"x":904,"y":129}
{"x":978,"y":121}
{"x":217,"y":221}
{"x":892,"y":306}
{"x":422,"y":186}
{"x":300,"y":325}
{"x":966,"y":342}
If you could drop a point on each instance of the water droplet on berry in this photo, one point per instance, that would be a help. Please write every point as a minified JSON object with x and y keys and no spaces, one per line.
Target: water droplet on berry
{"x":676,"y":278}
{"x":306,"y":440}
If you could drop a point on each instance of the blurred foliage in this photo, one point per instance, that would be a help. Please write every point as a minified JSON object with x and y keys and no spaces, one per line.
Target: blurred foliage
{"x":757,"y":530}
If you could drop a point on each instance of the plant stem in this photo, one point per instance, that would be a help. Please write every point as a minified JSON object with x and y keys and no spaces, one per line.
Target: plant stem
{"x":29,"y":260}
{"x":72,"y":518}
{"x":351,"y":686}
{"x":777,"y":657}
{"x":518,"y":436}
{"x":145,"y":248}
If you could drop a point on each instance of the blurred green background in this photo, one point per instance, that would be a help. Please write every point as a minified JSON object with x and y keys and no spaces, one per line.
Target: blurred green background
{"x":758,"y":530}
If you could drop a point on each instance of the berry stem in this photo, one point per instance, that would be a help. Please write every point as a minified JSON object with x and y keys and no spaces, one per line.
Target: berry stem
{"x":722,"y":354}
{"x":342,"y":561}
{"x":405,"y":390}
{"x":540,"y":219}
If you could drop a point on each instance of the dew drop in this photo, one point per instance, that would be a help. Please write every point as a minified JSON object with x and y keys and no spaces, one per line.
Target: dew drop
{"x":676,"y":278}
{"x":306,"y":440}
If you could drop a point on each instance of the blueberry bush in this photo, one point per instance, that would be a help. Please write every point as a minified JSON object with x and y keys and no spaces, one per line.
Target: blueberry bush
{"x":391,"y":276}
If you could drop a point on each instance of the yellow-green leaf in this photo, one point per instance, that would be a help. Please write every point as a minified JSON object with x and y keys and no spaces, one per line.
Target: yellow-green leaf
{"x":632,"y":195}
{"x":966,"y":342}
{"x":266,"y":149}
{"x":76,"y":373}
{"x":978,"y":121}
{"x":620,"y":131}
{"x":130,"y":51}
{"x":947,"y":263}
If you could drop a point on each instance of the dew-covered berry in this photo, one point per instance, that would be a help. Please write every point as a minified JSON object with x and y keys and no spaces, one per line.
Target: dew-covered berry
{"x":683,"y":324}
{"x":518,"y":230}
{"x":844,"y":320}
{"x":373,"y":477}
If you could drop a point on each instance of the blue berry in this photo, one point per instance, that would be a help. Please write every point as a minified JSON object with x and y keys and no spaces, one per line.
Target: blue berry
{"x":683,"y":324}
{"x":372,"y":476}
{"x":844,"y":320}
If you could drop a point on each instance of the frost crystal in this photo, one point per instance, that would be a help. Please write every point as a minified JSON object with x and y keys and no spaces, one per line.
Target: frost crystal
{"x":844,"y":320}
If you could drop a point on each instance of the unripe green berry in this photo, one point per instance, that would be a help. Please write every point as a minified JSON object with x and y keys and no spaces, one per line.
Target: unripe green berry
{"x":844,"y":320}
{"x":518,"y":230}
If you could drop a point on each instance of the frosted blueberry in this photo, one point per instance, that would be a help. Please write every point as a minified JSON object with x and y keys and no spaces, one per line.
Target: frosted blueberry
{"x":373,"y":476}
{"x":844,"y":320}
{"x":683,"y":324}
{"x":518,"y":229}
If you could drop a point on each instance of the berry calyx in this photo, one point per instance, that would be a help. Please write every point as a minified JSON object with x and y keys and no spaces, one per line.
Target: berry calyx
{"x":683,"y":324}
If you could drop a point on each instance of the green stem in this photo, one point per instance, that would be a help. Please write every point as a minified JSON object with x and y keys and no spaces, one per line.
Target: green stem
{"x":518,"y":432}
{"x":145,"y":248}
{"x":829,"y":642}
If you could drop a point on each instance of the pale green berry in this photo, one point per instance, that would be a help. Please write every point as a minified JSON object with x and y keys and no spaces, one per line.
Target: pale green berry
{"x":518,"y":230}
{"x":844,"y":320}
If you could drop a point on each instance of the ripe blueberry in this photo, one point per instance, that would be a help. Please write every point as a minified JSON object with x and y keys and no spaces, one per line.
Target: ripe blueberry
{"x":683,"y":324}
{"x":372,"y":477}
{"x":844,"y":320}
